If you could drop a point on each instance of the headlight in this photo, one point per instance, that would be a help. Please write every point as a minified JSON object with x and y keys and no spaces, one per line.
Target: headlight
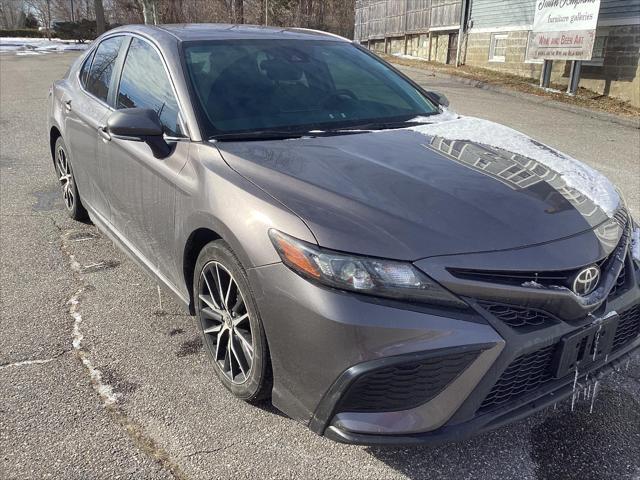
{"x":373,"y":276}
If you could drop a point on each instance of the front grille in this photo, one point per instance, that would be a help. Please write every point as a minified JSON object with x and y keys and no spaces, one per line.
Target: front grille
{"x":404,"y":386}
{"x":628,"y":327}
{"x":530,"y":371}
{"x":548,"y":278}
{"x":519,"y":318}
{"x":525,"y":374}
{"x":517,"y":278}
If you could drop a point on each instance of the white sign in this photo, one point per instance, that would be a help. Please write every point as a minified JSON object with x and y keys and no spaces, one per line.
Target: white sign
{"x":563,"y":30}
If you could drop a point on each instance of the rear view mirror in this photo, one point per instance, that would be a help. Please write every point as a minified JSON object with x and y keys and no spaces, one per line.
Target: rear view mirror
{"x":139,"y":125}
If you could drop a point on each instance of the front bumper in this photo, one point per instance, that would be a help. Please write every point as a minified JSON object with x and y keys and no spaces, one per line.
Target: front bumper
{"x":523,"y":408}
{"x":322,"y":341}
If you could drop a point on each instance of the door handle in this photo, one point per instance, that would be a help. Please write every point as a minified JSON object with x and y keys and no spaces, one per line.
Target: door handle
{"x":104,"y":134}
{"x":67,"y":105}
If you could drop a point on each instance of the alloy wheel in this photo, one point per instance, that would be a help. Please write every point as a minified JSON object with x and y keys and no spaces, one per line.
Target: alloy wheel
{"x":65,"y":178}
{"x":225,"y":322}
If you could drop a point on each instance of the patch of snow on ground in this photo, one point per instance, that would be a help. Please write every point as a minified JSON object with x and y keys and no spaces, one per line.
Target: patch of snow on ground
{"x":410,"y":57}
{"x":37,"y":46}
{"x":576,"y":174}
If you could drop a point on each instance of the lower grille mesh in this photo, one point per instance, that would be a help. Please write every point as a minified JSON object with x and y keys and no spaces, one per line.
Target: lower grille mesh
{"x":525,"y":374}
{"x":628,"y":327}
{"x":529,"y":372}
{"x":404,"y":386}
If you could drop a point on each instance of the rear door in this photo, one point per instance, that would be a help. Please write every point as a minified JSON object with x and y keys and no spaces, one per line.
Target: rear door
{"x":84,"y":114}
{"x":143,"y":188}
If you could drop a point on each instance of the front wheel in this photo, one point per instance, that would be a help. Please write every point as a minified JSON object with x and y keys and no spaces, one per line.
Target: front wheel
{"x":232,"y":330}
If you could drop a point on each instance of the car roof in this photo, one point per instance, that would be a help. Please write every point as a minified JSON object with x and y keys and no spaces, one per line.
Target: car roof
{"x":220,"y":31}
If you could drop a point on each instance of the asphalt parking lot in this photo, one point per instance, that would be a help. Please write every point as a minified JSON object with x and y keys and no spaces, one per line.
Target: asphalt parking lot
{"x":101,"y":378}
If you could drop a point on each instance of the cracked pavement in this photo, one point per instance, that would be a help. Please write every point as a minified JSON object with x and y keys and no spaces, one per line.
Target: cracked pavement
{"x":170,"y":417}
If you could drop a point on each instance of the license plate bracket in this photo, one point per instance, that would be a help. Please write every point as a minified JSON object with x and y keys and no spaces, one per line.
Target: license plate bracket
{"x":586,"y":346}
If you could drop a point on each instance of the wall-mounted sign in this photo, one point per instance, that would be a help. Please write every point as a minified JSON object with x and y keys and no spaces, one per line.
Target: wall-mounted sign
{"x":563,"y":30}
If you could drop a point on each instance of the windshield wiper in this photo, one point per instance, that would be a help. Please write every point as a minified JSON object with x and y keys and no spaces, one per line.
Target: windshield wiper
{"x":257,"y":135}
{"x":281,"y":134}
{"x":275,"y":134}
{"x":382,"y":125}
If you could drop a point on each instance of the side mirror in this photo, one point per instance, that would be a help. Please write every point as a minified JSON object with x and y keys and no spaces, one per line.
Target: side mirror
{"x":139,"y":125}
{"x":439,"y":98}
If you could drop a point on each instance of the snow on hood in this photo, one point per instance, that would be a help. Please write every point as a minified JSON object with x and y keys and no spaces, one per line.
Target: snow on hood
{"x":575,"y":174}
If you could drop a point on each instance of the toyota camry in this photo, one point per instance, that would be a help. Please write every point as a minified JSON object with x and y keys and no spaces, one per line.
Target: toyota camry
{"x":382,"y":269}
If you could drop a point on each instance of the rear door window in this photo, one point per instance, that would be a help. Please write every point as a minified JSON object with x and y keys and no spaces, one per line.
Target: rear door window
{"x":84,"y":71}
{"x":145,"y":84}
{"x":101,"y":72}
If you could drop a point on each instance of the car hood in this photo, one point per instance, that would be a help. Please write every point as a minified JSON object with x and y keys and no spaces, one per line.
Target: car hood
{"x":456,"y":185}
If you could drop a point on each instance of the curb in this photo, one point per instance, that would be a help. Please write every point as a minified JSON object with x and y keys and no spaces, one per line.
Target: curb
{"x":607,"y":117}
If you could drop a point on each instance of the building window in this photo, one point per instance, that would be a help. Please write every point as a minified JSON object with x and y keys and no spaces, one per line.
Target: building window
{"x":498,"y":48}
{"x":599,"y":48}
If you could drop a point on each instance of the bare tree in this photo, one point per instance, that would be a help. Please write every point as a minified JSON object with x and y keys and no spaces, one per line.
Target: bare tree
{"x":100,"y":22}
{"x":12,"y":14}
{"x":150,"y":11}
{"x":332,"y":15}
{"x":238,"y":11}
{"x":41,"y":9}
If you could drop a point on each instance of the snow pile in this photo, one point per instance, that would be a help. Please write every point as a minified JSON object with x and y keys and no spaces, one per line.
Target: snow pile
{"x":410,"y":57}
{"x":37,"y":46}
{"x":575,"y":174}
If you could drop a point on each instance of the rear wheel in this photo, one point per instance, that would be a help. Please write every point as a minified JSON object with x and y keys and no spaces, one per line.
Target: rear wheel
{"x":232,"y":331}
{"x":70,"y":195}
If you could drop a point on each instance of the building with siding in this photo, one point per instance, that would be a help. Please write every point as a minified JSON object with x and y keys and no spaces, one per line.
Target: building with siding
{"x":422,"y":28}
{"x":495,"y":35}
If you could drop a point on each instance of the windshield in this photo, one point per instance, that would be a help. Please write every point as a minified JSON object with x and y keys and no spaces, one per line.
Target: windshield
{"x":245,"y":86}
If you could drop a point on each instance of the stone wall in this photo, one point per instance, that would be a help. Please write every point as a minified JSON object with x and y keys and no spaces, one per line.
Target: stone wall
{"x":618,"y":76}
{"x":417,"y":46}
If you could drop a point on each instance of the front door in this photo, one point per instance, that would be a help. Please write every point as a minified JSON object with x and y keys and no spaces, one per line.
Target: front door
{"x":142,"y":186}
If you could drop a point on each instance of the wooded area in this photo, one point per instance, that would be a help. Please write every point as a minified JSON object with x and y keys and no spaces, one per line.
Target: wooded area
{"x":335,"y":16}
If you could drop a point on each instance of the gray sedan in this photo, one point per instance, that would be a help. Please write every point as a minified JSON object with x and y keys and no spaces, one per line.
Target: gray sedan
{"x":382,"y":269}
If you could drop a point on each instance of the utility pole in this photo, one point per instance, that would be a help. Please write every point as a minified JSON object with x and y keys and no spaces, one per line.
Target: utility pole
{"x":73,"y":17}
{"x":266,"y":12}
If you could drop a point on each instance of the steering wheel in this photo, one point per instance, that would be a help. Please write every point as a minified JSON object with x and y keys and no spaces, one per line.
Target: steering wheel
{"x":340,"y":94}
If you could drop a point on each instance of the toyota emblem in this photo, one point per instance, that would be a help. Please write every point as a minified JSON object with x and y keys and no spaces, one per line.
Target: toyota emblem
{"x":586,"y":280}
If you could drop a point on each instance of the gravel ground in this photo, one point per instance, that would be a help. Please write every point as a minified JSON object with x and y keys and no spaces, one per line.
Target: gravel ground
{"x":171,"y":418}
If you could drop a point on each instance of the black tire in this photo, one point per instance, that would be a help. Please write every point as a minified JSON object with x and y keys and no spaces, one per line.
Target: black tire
{"x":67,"y":181}
{"x":255,"y":384}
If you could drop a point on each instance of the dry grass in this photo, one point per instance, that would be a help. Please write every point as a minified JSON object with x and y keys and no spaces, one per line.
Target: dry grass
{"x":584,"y":98}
